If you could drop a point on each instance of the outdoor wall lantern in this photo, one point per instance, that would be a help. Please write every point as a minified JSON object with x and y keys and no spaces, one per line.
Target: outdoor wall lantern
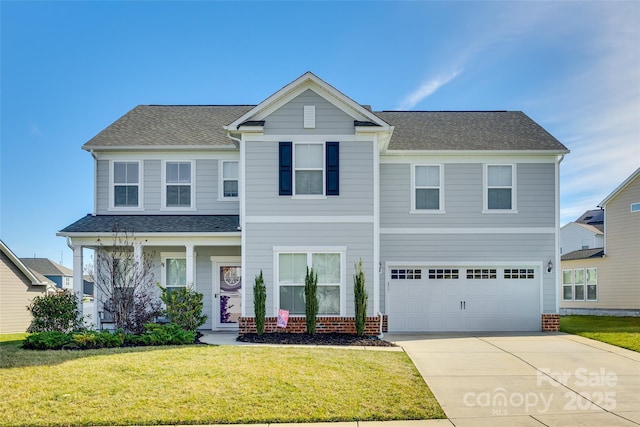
{"x":549,"y":266}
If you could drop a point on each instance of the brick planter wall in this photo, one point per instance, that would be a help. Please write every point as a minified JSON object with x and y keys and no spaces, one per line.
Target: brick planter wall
{"x":324,"y":325}
{"x":550,"y":323}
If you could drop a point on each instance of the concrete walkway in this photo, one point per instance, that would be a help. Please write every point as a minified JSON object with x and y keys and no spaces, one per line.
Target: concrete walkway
{"x":529,"y":379}
{"x":533,"y":379}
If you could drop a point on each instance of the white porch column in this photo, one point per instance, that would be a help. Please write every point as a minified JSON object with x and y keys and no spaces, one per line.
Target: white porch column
{"x":190,"y":265}
{"x":77,"y":276}
{"x":137,"y":258}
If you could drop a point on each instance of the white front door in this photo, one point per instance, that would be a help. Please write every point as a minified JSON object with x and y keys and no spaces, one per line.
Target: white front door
{"x":227,"y":292}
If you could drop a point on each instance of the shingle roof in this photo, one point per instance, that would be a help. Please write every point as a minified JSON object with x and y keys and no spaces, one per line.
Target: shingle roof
{"x":46,"y":267}
{"x":155,"y":224}
{"x":170,"y":125}
{"x":467,"y":130}
{"x":583,"y":254}
{"x":164,"y":126}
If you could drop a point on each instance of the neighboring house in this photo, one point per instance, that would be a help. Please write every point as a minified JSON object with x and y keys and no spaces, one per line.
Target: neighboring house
{"x":18,"y":287}
{"x":455,"y":215}
{"x":604,"y":280}
{"x":587,"y":232}
{"x":59,"y":274}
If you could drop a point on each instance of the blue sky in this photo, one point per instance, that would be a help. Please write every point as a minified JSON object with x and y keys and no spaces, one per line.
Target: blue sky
{"x":69,"y":69}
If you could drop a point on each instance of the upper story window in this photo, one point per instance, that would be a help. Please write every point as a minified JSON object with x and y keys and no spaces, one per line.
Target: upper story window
{"x":635,"y":207}
{"x":500,"y":188}
{"x":427,"y":188}
{"x":178,"y":184}
{"x":228,"y":180}
{"x":125,"y":179}
{"x":309,"y":169}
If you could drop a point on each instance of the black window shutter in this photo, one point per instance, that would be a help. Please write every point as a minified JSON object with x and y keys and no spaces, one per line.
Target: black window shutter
{"x":333,"y":168}
{"x":285,"y":172}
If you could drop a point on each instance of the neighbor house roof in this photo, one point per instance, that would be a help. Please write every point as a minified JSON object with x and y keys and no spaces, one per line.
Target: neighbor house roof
{"x":592,"y":228}
{"x":47,"y":267}
{"x":622,"y":186}
{"x":468,"y":130}
{"x":170,"y":125}
{"x":202,"y":126}
{"x":583,"y":254}
{"x":154,"y":224}
{"x":593,"y":217}
{"x":35,"y":277}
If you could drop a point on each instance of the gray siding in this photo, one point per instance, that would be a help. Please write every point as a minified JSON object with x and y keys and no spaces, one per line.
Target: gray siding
{"x":471,"y":248}
{"x":356,"y":183}
{"x":206,"y":185}
{"x":261,"y":238}
{"x":288,"y":119}
{"x":463,"y":198}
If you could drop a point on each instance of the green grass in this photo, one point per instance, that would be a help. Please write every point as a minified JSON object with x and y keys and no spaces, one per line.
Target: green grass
{"x":620,"y":331}
{"x":208,"y":384}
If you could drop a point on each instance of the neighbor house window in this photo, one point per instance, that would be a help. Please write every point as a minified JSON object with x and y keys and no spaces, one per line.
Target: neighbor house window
{"x":427,"y":188}
{"x":126,"y":184}
{"x":229,"y":179}
{"x":174,"y":271}
{"x":292,"y":269}
{"x":635,"y":207}
{"x":178,"y":184}
{"x":500,"y":188}
{"x":580,"y":284}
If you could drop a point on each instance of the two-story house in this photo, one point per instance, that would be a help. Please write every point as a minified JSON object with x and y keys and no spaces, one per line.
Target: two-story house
{"x":604,"y":280}
{"x":455,"y":215}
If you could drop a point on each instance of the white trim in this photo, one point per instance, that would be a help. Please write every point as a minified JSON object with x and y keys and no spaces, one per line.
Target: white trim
{"x":513,"y":188}
{"x":470,"y":230}
{"x":192,"y":185}
{"x":440,"y":189}
{"x":143,"y":153}
{"x":310,"y":219}
{"x":112,"y":184}
{"x":323,"y":169}
{"x":243,"y":218}
{"x":549,"y":155}
{"x":621,"y":187}
{"x":376,"y":229}
{"x":221,"y":196}
{"x":309,"y":251}
{"x":164,"y":256}
{"x":308,"y":138}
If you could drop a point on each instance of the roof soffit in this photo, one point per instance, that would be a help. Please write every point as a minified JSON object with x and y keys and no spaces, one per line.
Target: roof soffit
{"x":308,"y":81}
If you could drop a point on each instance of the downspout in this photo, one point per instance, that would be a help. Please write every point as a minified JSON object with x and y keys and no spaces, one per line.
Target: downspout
{"x":381,"y":335}
{"x":95,"y":181}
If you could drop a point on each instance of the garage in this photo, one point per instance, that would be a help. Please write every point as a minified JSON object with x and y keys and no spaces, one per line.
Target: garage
{"x":473,"y":298}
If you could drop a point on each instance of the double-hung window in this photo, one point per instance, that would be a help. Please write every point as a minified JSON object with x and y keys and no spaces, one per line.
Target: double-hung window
{"x":126,"y":184}
{"x":427,"y":193}
{"x":580,"y":284}
{"x":229,"y":179}
{"x":178,"y":190}
{"x":291,"y":272}
{"x":500,"y":188}
{"x":309,"y":169}
{"x":174,"y":271}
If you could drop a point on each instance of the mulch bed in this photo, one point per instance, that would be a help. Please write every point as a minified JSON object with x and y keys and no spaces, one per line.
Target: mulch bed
{"x":316,"y":339}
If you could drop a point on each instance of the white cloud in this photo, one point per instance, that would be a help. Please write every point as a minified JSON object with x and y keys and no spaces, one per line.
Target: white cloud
{"x":427,"y":88}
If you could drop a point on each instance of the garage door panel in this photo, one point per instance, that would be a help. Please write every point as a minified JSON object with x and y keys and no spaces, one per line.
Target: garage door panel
{"x":465,"y":303}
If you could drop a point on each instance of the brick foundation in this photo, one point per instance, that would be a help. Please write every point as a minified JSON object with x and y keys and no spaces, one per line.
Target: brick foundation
{"x":550,"y":323}
{"x":324,"y":325}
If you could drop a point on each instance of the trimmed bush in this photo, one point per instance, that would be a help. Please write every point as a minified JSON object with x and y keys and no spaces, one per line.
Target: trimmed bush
{"x":360,"y":295}
{"x":259,"y":303}
{"x":184,"y":307}
{"x":50,"y":340}
{"x":311,"y":300}
{"x":57,"y":312}
{"x":169,"y":334}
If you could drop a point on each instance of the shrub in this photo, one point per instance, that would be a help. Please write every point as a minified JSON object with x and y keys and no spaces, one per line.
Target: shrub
{"x":50,"y":340}
{"x":360,"y":294}
{"x":259,"y":303}
{"x":311,"y":300}
{"x":169,"y":334}
{"x":184,"y":307}
{"x":57,"y":312}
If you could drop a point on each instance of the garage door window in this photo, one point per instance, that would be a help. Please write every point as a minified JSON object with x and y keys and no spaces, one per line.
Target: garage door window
{"x":519,"y":273}
{"x":406,"y":274}
{"x":482,"y":273}
{"x":292,"y":269}
{"x":443,"y":273}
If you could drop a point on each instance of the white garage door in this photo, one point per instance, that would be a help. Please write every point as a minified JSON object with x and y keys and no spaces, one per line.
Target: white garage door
{"x":464,"y":299}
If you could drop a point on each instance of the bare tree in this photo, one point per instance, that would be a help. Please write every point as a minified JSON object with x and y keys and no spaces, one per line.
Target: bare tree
{"x":125,"y":282}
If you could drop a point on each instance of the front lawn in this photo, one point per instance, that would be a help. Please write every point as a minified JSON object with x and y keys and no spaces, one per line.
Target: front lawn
{"x":201,"y":384}
{"x":620,"y":331}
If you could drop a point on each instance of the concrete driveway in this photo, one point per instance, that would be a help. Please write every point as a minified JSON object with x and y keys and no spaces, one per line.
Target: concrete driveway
{"x":532,"y":379}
